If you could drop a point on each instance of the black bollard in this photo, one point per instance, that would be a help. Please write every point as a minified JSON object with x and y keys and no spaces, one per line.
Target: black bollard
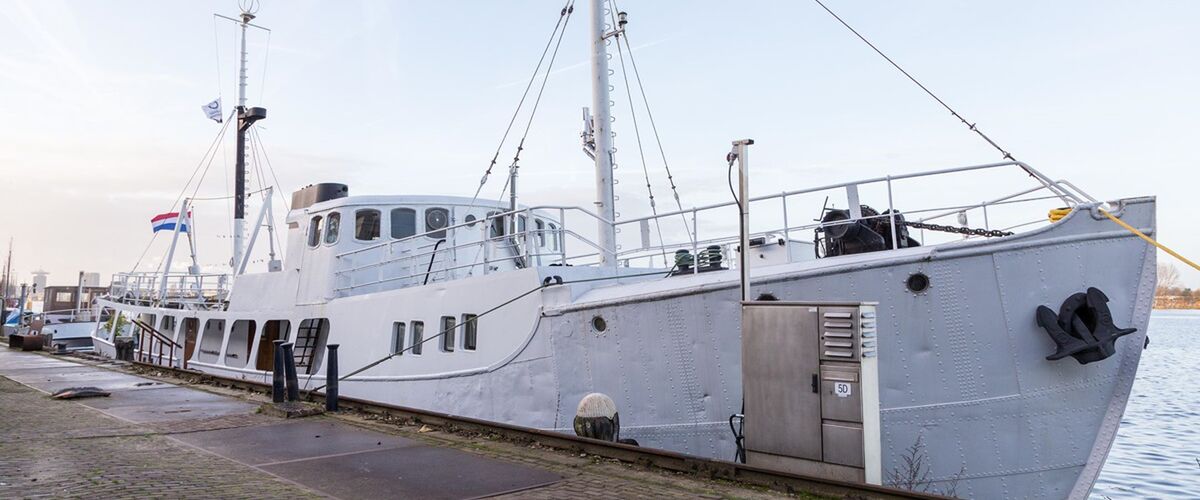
{"x":289,"y":365}
{"x":331,"y":379}
{"x":277,"y":384}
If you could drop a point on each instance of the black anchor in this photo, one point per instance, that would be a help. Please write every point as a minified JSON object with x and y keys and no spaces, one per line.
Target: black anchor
{"x":1083,"y":327}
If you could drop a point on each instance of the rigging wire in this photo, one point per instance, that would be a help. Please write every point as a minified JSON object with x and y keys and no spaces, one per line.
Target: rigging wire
{"x":210,"y":151}
{"x":637,"y":132}
{"x":654,"y":128}
{"x":971,"y":126}
{"x":537,"y":100}
{"x":266,"y":59}
{"x":562,"y":16}
{"x":560,"y":29}
{"x":217,"y":47}
{"x":547,"y":284}
{"x":283,"y":199}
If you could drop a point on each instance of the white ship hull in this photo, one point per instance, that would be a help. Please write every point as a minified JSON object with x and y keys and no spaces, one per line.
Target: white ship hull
{"x":961,"y":365}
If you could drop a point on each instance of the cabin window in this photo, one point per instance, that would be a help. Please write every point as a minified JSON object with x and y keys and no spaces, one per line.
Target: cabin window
{"x":211,"y":339}
{"x":553,"y":237}
{"x":398,"y":337}
{"x":418,"y":336}
{"x":276,"y":329}
{"x":167,"y":327}
{"x":314,"y":231}
{"x":521,"y":225}
{"x":448,"y":333}
{"x":541,"y":232}
{"x":366,"y":225}
{"x":331,"y":228}
{"x":470,"y":220}
{"x":497,"y":223}
{"x":63,"y":297}
{"x":404,"y":222}
{"x":470,"y":331}
{"x":241,"y":337}
{"x":310,"y":344}
{"x":436,"y":220}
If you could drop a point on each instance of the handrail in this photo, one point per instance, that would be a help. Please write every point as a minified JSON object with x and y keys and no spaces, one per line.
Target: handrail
{"x":453,"y":261}
{"x":826,"y":187}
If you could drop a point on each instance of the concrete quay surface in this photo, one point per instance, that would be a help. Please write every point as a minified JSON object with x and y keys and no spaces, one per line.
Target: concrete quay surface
{"x":158,"y":437}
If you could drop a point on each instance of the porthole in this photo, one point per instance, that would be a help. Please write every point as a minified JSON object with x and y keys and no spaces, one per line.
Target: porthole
{"x":470,"y":219}
{"x":599,"y":324}
{"x":917,"y":282}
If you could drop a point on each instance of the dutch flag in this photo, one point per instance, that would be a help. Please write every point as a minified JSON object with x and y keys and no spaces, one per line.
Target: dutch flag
{"x":167,"y":222}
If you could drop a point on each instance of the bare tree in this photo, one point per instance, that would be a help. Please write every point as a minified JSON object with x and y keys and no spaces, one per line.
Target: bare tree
{"x":1168,"y":279}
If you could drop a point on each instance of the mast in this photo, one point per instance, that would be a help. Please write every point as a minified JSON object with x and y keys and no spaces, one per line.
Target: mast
{"x":7,"y":279}
{"x":246,"y":117}
{"x":602,"y":133}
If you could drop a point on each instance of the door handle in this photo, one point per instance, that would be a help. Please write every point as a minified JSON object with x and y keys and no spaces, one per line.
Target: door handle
{"x":816,"y":384}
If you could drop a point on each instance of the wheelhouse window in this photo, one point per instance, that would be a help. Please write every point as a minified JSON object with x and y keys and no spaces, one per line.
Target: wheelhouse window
{"x":314,"y":231}
{"x":398,"y":337}
{"x":404,"y":222}
{"x":541,"y":232}
{"x":436,"y":220}
{"x":331,"y":228}
{"x":366,"y":225}
{"x":553,"y":237}
{"x":470,"y":331}
{"x":448,"y":333}
{"x":497,"y":224}
{"x":418,"y":336}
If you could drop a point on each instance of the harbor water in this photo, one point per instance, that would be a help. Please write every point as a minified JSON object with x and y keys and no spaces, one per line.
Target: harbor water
{"x":1158,"y":445}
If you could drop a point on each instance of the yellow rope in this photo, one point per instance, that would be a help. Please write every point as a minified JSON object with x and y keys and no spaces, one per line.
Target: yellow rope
{"x":1149,"y":239}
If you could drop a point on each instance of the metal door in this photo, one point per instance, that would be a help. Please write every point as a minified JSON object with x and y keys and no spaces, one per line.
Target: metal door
{"x":780,"y":351}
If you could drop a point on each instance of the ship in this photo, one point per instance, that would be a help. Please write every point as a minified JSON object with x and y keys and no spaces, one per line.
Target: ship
{"x":514,"y":313}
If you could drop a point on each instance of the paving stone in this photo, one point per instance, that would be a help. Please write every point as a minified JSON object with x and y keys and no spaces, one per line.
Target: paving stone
{"x":51,"y":448}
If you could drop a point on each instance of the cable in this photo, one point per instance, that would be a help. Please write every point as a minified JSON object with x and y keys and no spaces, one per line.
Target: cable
{"x":654,"y":128}
{"x":271,"y":168}
{"x":969,"y":125}
{"x":569,"y":6}
{"x":211,"y":148}
{"x":637,"y":132}
{"x":547,"y":284}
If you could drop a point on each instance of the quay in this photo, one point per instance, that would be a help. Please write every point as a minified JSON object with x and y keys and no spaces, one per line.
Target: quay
{"x":160,"y":434}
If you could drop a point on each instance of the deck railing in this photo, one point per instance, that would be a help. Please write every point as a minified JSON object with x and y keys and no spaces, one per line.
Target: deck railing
{"x":475,"y":248}
{"x":200,"y":291}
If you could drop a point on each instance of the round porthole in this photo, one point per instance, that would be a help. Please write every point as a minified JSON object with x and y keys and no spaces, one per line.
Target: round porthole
{"x":470,"y":219}
{"x":599,"y":324}
{"x":917,"y":282}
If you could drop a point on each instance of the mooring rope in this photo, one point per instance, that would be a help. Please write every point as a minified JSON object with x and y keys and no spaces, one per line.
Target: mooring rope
{"x":1149,"y":239}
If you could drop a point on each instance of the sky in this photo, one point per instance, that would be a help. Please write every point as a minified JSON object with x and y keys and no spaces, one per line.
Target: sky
{"x":101,"y":126}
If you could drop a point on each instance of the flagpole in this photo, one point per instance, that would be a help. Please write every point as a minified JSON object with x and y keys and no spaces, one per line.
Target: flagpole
{"x":180,"y":219}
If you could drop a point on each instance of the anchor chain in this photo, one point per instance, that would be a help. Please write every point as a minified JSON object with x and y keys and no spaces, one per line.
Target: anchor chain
{"x":970,"y":231}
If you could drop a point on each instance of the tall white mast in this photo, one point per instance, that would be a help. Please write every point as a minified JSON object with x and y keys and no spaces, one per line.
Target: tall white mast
{"x":602,"y":133}
{"x":246,"y":117}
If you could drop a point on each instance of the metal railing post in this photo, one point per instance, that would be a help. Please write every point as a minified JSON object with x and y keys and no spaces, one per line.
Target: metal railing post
{"x":787,"y":240}
{"x":695,"y":243}
{"x":892,"y":214}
